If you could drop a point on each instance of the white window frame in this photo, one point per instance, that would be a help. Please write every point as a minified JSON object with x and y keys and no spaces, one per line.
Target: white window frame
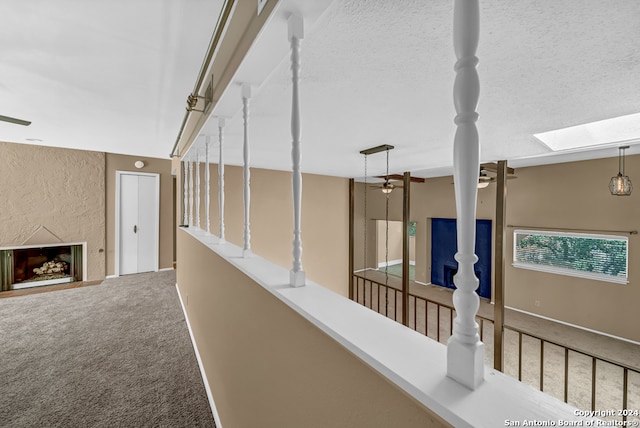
{"x":571,"y":272}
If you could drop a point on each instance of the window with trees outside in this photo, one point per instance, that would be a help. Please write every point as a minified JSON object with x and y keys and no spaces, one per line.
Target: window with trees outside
{"x":600,"y":257}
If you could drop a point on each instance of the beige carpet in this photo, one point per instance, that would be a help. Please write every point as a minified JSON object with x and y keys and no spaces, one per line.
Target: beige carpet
{"x":116,"y":354}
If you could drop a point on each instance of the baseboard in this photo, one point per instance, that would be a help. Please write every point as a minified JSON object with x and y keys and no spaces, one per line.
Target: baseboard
{"x":117,"y":276}
{"x":422,"y":283}
{"x":214,"y":410}
{"x":574,"y":325}
{"x":362,"y":270}
{"x":389,"y":263}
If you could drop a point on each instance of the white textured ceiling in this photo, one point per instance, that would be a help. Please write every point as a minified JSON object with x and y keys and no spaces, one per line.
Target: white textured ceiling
{"x":114,"y":75}
{"x":381,"y":72}
{"x":108,"y":76}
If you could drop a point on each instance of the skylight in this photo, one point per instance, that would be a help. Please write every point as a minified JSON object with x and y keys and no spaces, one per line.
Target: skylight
{"x":610,"y":131}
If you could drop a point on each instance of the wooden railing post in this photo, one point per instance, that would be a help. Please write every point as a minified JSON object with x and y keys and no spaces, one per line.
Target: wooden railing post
{"x":246,"y":96}
{"x":221,"y":123}
{"x":207,"y":184}
{"x":191,"y":193}
{"x":296,"y":33}
{"x":185,"y":192}
{"x":351,"y":233}
{"x":500,"y":244}
{"x":465,"y":353}
{"x":197,"y":188}
{"x":406,"y":217}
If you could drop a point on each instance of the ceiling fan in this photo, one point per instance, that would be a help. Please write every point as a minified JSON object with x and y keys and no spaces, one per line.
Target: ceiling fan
{"x":485,"y":179}
{"x":14,"y":120}
{"x":387,"y":186}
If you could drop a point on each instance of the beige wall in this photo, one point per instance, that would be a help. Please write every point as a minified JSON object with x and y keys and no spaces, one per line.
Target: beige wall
{"x":325,"y":216}
{"x":576,"y":195}
{"x":60,"y":189}
{"x":258,"y":354}
{"x":395,"y":241}
{"x":115,"y":162}
{"x":570,"y":195}
{"x":72,"y":194}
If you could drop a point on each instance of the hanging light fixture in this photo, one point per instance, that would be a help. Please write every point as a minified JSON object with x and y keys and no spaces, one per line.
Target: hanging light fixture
{"x":620,"y":185}
{"x":484,"y":179}
{"x":387,"y":187}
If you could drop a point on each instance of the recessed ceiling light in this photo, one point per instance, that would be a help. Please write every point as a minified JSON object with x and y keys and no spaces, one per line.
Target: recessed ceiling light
{"x":34,"y":140}
{"x":622,"y":129}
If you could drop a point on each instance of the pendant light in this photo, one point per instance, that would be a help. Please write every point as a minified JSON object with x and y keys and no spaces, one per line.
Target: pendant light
{"x":620,"y":185}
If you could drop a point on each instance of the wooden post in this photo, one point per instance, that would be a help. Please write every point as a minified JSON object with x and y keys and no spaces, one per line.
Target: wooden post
{"x":499,"y":268}
{"x":465,"y":352}
{"x":351,"y":233}
{"x":296,"y":33}
{"x":406,"y":219}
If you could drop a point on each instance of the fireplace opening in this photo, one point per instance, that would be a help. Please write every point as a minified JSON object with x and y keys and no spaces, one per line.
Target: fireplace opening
{"x":35,"y":266}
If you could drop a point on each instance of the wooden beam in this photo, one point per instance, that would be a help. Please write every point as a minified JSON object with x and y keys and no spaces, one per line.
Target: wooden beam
{"x":351,"y":233}
{"x":401,"y":177}
{"x":499,"y":268}
{"x":406,"y":217}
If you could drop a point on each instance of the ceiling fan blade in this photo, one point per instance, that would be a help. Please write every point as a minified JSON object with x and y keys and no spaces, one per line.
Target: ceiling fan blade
{"x":14,"y":120}
{"x":400,"y":177}
{"x":382,"y":187}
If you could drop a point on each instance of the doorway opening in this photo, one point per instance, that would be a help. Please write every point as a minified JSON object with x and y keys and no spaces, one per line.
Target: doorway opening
{"x":394,"y":264}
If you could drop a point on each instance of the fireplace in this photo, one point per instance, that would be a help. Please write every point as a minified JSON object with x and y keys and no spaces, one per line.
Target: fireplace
{"x":38,"y":265}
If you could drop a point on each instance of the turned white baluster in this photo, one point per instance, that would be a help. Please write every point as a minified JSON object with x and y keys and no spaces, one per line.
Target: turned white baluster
{"x":185,"y":191}
{"x":246,"y":96}
{"x":190,"y":193}
{"x":221,"y":123}
{"x":465,"y":351}
{"x":207,"y":183}
{"x":198,"y":189}
{"x":296,"y":34}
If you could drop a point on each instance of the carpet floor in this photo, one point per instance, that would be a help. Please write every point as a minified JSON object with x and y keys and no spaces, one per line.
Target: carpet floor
{"x":116,"y":354}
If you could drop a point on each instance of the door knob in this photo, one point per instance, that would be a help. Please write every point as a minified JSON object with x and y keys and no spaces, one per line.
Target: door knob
{"x":135,"y":229}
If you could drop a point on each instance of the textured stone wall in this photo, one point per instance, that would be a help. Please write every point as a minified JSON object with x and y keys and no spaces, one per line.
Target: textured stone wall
{"x":60,"y":189}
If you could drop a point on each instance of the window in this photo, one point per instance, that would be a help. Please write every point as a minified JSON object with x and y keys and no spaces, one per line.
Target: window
{"x":601,"y":257}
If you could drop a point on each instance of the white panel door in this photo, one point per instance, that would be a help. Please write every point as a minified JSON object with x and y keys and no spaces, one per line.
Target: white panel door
{"x":138,"y":210}
{"x":128,"y":224}
{"x":147,"y":231}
